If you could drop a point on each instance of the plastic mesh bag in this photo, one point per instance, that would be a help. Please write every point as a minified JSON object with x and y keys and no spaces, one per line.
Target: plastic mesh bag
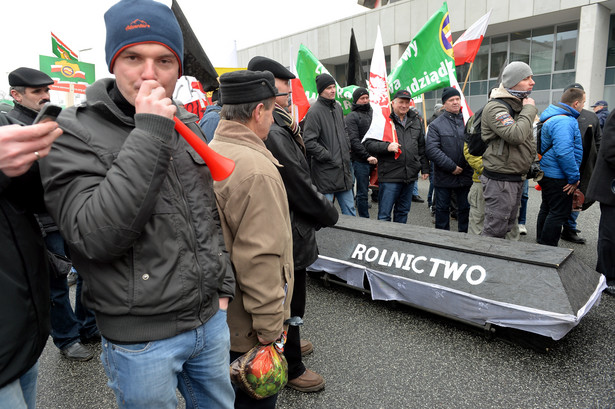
{"x":262,"y":371}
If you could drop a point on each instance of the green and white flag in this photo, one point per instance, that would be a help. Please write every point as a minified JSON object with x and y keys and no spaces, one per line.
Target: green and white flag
{"x":308,"y":67}
{"x":61,"y":50}
{"x":426,"y":63}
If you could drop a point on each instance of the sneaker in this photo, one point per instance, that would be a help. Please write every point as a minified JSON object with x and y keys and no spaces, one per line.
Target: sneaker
{"x":309,"y":381}
{"x":522,"y":229}
{"x":306,"y":347}
{"x":610,"y":290}
{"x":71,"y":277}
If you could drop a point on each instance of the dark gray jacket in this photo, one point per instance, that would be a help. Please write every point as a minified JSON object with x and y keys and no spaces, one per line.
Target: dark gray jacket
{"x":603,"y":178}
{"x":328,"y":146}
{"x":444,"y":147}
{"x":357,"y":124}
{"x":135,"y":204}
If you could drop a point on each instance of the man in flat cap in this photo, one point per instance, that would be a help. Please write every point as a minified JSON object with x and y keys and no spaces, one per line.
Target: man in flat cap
{"x":327,"y":143}
{"x":30,"y":91}
{"x":255,"y":217}
{"x":397,"y":176}
{"x":309,"y":210}
{"x":136,"y":206}
{"x":507,"y":128}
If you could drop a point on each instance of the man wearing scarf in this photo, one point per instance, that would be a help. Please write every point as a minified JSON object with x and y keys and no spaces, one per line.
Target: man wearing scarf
{"x":309,"y":211}
{"x":510,"y":150}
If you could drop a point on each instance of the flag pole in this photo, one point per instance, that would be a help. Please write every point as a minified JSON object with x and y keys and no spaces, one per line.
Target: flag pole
{"x":424,"y":112}
{"x":467,"y":76}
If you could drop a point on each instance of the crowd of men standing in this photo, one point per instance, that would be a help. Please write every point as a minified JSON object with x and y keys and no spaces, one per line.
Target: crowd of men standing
{"x":182,"y":273}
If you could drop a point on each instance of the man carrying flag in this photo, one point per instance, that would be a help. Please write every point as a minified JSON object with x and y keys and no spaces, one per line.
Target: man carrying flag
{"x":399,"y":162}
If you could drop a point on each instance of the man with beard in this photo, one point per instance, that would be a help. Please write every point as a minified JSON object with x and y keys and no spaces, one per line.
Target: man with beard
{"x":309,"y":211}
{"x":510,"y":148}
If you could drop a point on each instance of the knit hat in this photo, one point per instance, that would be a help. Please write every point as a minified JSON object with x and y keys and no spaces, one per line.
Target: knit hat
{"x":358,"y":93}
{"x":242,"y":87}
{"x":323,"y":81}
{"x":514,"y":73}
{"x":449,"y":92}
{"x":133,"y":22}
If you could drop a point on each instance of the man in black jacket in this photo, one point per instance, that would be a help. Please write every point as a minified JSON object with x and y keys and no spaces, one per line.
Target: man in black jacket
{"x":30,"y":91}
{"x":309,"y":211}
{"x":135,"y":203}
{"x":357,"y":123}
{"x":328,"y":146}
{"x":602,"y":189}
{"x":24,"y":282}
{"x":396,"y":176}
{"x":452,"y":173}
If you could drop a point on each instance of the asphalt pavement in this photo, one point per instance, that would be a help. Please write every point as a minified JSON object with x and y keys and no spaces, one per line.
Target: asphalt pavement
{"x":376,"y":354}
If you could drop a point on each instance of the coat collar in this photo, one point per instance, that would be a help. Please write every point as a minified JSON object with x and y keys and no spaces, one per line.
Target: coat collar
{"x":238,"y":134}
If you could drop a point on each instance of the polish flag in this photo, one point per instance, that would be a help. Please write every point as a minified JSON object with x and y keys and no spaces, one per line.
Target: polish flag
{"x":300,"y":103}
{"x":382,"y":127}
{"x":466,"y":46}
{"x":465,"y":109}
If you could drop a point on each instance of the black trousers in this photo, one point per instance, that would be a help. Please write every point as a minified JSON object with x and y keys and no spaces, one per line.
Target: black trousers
{"x":292,"y":350}
{"x":606,"y":243}
{"x":554,"y":211}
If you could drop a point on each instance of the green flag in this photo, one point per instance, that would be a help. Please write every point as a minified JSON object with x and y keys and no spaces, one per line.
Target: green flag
{"x":67,"y":72}
{"x":426,"y":63}
{"x":61,"y":50}
{"x":308,"y":67}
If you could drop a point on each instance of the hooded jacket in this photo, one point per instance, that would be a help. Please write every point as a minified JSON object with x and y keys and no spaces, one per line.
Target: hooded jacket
{"x":256,"y":224}
{"x":406,"y":167}
{"x":24,"y":279}
{"x":135,"y":203}
{"x":561,"y":136}
{"x":511,"y":148}
{"x":328,"y":146}
{"x":444,"y":147}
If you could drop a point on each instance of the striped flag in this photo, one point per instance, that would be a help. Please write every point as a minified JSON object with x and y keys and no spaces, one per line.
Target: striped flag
{"x":466,"y":46}
{"x":61,"y":50}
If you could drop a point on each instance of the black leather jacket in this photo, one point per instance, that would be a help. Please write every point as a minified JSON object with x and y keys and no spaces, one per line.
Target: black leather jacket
{"x":309,"y":209}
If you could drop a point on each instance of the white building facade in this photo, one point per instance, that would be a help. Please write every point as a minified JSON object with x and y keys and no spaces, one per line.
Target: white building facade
{"x":564,"y":41}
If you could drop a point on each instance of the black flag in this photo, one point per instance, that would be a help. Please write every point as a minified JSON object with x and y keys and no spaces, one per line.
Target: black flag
{"x":355,"y":74}
{"x":196,"y":62}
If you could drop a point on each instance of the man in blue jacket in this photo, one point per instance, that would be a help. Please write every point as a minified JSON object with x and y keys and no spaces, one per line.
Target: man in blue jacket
{"x":452,"y":173}
{"x":562,"y":151}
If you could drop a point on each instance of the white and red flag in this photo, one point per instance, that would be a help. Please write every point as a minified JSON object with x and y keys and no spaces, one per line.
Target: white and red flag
{"x":299,"y":101}
{"x":382,"y":127}
{"x":466,"y":46}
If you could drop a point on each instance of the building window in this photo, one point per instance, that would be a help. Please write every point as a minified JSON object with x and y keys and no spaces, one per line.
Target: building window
{"x":566,"y":47}
{"x":542,"y":50}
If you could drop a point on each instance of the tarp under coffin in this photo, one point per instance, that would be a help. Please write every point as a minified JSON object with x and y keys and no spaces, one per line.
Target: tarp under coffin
{"x":540,"y":289}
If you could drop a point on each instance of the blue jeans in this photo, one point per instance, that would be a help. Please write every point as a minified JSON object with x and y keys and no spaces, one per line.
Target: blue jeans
{"x":523,"y":208}
{"x":21,"y":393}
{"x":571,"y":223}
{"x":345,"y":200}
{"x":361,"y":174}
{"x":395,"y":197}
{"x":67,"y":326}
{"x":146,"y":375}
{"x":443,"y":202}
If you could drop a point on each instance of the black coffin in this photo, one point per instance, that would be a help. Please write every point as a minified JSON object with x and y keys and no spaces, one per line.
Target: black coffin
{"x":530,"y":287}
